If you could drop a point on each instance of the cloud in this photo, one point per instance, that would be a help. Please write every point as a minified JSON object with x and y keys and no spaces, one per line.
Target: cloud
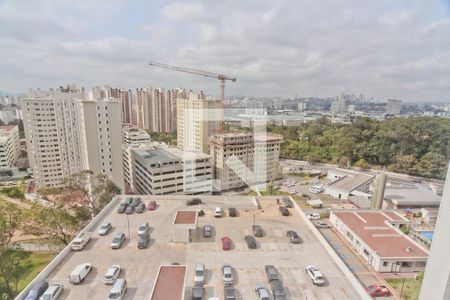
{"x":274,"y":48}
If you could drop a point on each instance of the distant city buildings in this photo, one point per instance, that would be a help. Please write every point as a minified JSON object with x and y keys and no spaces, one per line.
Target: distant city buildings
{"x":259,"y":156}
{"x":338,"y":106}
{"x":393,"y":107}
{"x":9,"y":146}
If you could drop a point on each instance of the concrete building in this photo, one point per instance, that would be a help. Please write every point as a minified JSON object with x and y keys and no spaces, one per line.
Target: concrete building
{"x":258,"y":156}
{"x":338,"y":106}
{"x":161,"y":170}
{"x":125,"y":98}
{"x":346,"y":183}
{"x":196,"y":122}
{"x":132,"y":135}
{"x":393,"y":107}
{"x":375,"y":235}
{"x":9,"y":146}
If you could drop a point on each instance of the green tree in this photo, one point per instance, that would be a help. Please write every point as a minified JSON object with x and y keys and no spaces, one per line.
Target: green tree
{"x":362,"y":164}
{"x":406,"y":164}
{"x":432,"y":164}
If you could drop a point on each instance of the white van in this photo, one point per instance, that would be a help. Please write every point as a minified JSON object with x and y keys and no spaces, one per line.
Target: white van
{"x":313,"y":216}
{"x":118,"y":290}
{"x":79,"y":273}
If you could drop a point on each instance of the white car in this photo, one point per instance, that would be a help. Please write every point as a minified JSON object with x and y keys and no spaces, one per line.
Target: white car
{"x":111,"y":274}
{"x":199,"y":277}
{"x":315,"y":275}
{"x":293,"y":192}
{"x":218,"y":212}
{"x":143,"y":228}
{"x":227,"y":274}
{"x":104,"y":228}
{"x":53,"y":292}
{"x":313,"y":216}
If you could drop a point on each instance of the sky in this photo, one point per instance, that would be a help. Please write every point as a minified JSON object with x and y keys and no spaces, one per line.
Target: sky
{"x":382,"y":49}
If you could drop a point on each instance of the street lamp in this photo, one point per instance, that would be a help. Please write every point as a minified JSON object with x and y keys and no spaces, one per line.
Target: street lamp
{"x":128,"y":223}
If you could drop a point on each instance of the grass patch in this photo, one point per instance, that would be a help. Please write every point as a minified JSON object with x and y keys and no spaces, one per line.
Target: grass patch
{"x":39,"y":261}
{"x":411,"y":288}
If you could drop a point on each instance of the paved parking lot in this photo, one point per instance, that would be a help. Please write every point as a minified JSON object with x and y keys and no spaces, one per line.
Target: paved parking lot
{"x":140,"y":266}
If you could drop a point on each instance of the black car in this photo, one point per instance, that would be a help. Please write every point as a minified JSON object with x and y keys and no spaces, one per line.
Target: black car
{"x":293,"y":236}
{"x":136,"y":201}
{"x":284,"y":211}
{"x":278,"y":290}
{"x":122,"y":207}
{"x":143,"y":241}
{"x":129,"y":210}
{"x":37,"y":290}
{"x":140,"y":208}
{"x":257,"y":230}
{"x":229,"y":293}
{"x":287,"y":202}
{"x":232,"y":212}
{"x":271,"y":272}
{"x":198,"y":292}
{"x":251,"y":242}
{"x":193,"y":201}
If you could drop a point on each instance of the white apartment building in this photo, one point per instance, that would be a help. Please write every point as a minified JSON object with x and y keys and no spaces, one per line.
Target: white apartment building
{"x":259,"y":156}
{"x":393,"y":107}
{"x":65,"y":134}
{"x":196,"y":122}
{"x":160,"y":171}
{"x":9,"y":146}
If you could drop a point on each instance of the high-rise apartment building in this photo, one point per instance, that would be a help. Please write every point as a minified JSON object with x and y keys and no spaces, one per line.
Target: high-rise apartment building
{"x":197,"y":120}
{"x":9,"y":146}
{"x":66,"y":133}
{"x":393,"y":107}
{"x":258,"y":154}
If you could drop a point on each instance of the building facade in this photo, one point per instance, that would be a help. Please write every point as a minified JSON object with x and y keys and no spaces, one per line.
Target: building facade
{"x":393,"y":107}
{"x":9,"y":146}
{"x":258,"y":155}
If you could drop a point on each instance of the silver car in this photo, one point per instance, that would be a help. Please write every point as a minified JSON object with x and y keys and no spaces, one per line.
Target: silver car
{"x":227,"y":274}
{"x":118,"y":240}
{"x":262,"y":292}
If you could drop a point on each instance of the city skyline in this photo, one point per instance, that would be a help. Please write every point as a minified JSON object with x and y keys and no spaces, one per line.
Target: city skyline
{"x":388,"y":50}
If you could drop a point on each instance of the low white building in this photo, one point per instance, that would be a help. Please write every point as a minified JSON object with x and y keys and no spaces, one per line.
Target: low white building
{"x":9,"y":146}
{"x":343,"y":184}
{"x":183,"y":224}
{"x":375,"y":236}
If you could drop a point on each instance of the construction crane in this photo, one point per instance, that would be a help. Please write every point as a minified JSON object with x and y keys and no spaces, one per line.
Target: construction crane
{"x":221,"y":77}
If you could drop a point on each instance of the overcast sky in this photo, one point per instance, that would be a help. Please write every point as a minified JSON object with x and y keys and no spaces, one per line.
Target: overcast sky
{"x":382,"y":48}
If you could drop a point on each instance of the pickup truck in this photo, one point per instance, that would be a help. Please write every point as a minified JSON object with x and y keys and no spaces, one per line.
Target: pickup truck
{"x":81,"y":240}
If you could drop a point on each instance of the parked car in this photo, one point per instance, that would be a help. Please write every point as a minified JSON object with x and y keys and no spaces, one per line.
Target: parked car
{"x":232,"y":212}
{"x":128,"y":201}
{"x":122,"y":207}
{"x":262,"y":292}
{"x":271,"y":272}
{"x":283,"y":210}
{"x":376,"y":290}
{"x":111,"y":274}
{"x":293,"y":236}
{"x":251,"y":242}
{"x":218,"y":212}
{"x":53,"y":292}
{"x":143,"y":241}
{"x":37,"y":290}
{"x":321,"y":224}
{"x":278,"y":290}
{"x":104,"y":228}
{"x":227,"y":274}
{"x":118,"y":290}
{"x":287,"y":202}
{"x":117,"y":241}
{"x":293,"y":192}
{"x":198,"y":292}
{"x":136,"y":201}
{"x":229,"y":293}
{"x":257,"y":230}
{"x":199,"y":277}
{"x":80,"y":241}
{"x":129,"y":210}
{"x":315,"y":275}
{"x":313,"y":216}
{"x":226,"y":243}
{"x":193,"y":201}
{"x":151,"y":205}
{"x":207,"y":230}
{"x":140,"y":208}
{"x":79,"y":273}
{"x":143,"y":228}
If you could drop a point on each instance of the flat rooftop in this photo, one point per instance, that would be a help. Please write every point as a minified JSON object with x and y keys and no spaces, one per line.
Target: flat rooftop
{"x":411,"y":194}
{"x":350,"y":183}
{"x":140,"y":267}
{"x":185,"y":217}
{"x":169,"y":283}
{"x":374,"y":229}
{"x":152,"y":154}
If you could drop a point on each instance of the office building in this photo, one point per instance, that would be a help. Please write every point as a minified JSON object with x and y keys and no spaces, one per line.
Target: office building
{"x":197,"y":120}
{"x":338,"y":106}
{"x":161,"y":170}
{"x":258,"y":156}
{"x":9,"y":146}
{"x":393,"y":107}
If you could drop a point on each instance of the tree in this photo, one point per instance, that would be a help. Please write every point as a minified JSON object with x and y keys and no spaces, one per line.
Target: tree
{"x":432,"y":164}
{"x":362,"y":164}
{"x":406,"y":164}
{"x":343,"y":162}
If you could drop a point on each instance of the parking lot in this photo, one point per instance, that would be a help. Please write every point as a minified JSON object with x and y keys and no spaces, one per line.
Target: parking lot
{"x":140,"y":266}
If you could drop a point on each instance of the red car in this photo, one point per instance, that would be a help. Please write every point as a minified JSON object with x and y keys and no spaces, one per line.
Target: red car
{"x":226,"y":243}
{"x":376,"y":290}
{"x":151,"y":205}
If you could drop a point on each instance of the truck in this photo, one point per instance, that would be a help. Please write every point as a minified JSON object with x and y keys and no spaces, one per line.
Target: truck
{"x":81,"y":240}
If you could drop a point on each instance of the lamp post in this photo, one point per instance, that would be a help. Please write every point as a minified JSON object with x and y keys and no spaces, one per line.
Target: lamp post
{"x":128,"y":223}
